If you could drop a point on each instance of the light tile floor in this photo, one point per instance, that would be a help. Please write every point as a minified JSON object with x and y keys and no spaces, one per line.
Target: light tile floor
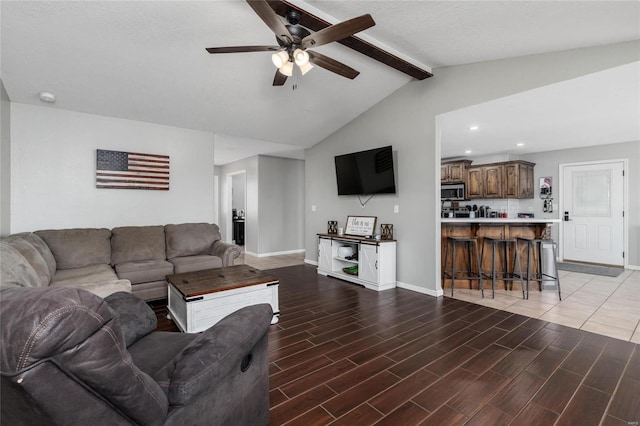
{"x":602,"y":305}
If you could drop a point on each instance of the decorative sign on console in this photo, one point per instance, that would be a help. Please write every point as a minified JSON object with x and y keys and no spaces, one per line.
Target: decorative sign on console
{"x":360,"y":225}
{"x":131,"y":170}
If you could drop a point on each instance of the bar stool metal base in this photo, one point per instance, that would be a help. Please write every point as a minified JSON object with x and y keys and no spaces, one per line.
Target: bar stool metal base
{"x":540,"y":275}
{"x":504,"y":275}
{"x":471,"y":274}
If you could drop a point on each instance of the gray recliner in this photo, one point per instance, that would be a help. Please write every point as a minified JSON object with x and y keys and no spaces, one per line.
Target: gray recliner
{"x":69,"y":357}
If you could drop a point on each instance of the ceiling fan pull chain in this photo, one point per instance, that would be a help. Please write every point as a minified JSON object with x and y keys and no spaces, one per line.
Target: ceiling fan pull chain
{"x":295,"y":79}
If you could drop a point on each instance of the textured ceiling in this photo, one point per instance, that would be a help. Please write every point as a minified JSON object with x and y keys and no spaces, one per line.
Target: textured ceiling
{"x":146,"y":60}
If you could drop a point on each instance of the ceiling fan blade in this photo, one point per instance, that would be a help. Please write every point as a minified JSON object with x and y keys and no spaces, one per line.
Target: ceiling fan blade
{"x":332,"y":65}
{"x":238,"y":49}
{"x":279,"y":78}
{"x":338,"y":31}
{"x":266,"y":13}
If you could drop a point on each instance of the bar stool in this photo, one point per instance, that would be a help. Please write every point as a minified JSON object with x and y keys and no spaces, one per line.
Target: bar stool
{"x":471,"y":274}
{"x":534,"y":245}
{"x":503,"y":275}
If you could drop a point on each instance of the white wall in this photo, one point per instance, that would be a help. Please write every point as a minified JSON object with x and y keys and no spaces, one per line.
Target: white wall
{"x":275,"y":201}
{"x":238,"y":184}
{"x":53,"y":163}
{"x":281,"y":200}
{"x":406,"y":120}
{"x":5,"y":162}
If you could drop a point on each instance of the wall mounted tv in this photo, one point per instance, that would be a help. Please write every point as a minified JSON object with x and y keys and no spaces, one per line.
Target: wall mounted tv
{"x":366,"y":172}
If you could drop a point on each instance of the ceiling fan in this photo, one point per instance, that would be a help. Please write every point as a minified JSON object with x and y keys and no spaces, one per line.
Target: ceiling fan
{"x":294,"y":41}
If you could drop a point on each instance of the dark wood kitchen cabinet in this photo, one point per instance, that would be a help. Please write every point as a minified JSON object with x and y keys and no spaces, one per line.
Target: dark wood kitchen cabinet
{"x":454,"y":171}
{"x":475,"y":183}
{"x":510,"y":179}
{"x":485,"y":181}
{"x":518,"y":179}
{"x":493,"y":176}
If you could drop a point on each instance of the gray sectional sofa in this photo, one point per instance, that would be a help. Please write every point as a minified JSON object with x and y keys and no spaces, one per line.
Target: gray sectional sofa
{"x":135,"y":259}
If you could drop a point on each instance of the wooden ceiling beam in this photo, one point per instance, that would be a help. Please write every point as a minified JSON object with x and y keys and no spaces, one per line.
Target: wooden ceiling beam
{"x":314,"y":23}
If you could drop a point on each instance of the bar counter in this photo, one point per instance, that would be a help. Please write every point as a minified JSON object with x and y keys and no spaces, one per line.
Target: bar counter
{"x":497,"y":220}
{"x":496,"y":228}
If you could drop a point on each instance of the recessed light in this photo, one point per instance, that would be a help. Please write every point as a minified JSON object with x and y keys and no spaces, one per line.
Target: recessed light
{"x":47,"y":97}
{"x":474,"y":127}
{"x":468,"y":151}
{"x":520,"y":144}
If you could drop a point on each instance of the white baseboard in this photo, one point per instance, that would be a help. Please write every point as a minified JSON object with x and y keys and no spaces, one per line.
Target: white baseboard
{"x":275,"y":253}
{"x":311,"y":262}
{"x":421,"y":290}
{"x":633,"y":267}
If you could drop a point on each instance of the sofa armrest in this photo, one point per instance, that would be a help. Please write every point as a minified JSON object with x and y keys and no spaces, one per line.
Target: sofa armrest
{"x":225,"y":251}
{"x":136,"y":318}
{"x":202,"y":365}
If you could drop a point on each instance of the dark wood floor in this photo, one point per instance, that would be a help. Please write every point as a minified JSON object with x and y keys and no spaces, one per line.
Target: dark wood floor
{"x":344,"y":355}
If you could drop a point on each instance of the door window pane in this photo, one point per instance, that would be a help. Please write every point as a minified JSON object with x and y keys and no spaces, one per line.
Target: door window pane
{"x":592,"y":193}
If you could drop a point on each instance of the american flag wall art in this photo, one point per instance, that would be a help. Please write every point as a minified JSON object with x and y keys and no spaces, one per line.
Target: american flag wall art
{"x":131,"y":170}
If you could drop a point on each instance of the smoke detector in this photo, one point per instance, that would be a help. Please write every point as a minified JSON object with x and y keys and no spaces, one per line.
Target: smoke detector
{"x":47,"y":97}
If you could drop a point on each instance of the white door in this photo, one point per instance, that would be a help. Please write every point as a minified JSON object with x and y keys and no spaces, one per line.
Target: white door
{"x":593,"y":227}
{"x":368,"y":263}
{"x":324,"y":255}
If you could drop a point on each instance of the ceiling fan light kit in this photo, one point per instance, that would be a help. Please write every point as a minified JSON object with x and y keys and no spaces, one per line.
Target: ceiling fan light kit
{"x":286,"y":69}
{"x":280,"y":58}
{"x":300,"y":57}
{"x":293,"y":41}
{"x":306,"y":68}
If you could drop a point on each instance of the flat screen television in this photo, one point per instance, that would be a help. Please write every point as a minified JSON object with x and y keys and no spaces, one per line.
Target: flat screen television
{"x":366,"y":172}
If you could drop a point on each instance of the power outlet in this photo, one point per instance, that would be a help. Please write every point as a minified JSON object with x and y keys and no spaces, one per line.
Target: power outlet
{"x":396,"y":209}
{"x":313,"y":208}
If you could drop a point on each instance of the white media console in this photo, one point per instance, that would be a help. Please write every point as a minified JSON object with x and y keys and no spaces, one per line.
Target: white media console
{"x":376,"y":260}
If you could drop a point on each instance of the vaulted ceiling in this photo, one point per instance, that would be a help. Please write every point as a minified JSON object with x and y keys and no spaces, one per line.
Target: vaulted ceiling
{"x":146,"y":60}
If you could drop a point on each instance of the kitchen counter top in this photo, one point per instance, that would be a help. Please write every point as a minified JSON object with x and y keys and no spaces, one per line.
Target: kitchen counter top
{"x":492,"y":220}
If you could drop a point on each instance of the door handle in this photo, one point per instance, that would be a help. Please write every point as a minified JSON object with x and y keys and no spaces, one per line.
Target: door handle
{"x":566,"y":217}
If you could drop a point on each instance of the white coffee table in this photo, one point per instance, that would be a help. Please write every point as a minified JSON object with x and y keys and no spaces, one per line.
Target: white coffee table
{"x":198,"y":300}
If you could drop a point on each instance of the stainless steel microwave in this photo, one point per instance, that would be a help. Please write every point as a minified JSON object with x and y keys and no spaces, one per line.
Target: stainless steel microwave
{"x":454,"y":191}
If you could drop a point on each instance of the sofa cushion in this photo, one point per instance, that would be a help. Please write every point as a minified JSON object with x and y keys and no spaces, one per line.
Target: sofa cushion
{"x":42,"y":248}
{"x":98,"y":279}
{"x":101,"y":288}
{"x":136,"y":318}
{"x":88,"y":274}
{"x":151,"y":361}
{"x":33,"y":256}
{"x":15,"y":270}
{"x":134,"y":243}
{"x":78,"y":247}
{"x":195,"y":263}
{"x":144,"y":271}
{"x":190,"y":239}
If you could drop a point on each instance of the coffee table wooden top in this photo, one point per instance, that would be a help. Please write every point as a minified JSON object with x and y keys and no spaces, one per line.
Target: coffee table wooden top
{"x":197,"y":283}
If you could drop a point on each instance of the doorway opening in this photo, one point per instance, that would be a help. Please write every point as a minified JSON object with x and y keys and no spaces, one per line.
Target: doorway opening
{"x":237,"y":205}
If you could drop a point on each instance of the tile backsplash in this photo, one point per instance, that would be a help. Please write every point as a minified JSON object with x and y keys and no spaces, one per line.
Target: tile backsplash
{"x":512,"y":207}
